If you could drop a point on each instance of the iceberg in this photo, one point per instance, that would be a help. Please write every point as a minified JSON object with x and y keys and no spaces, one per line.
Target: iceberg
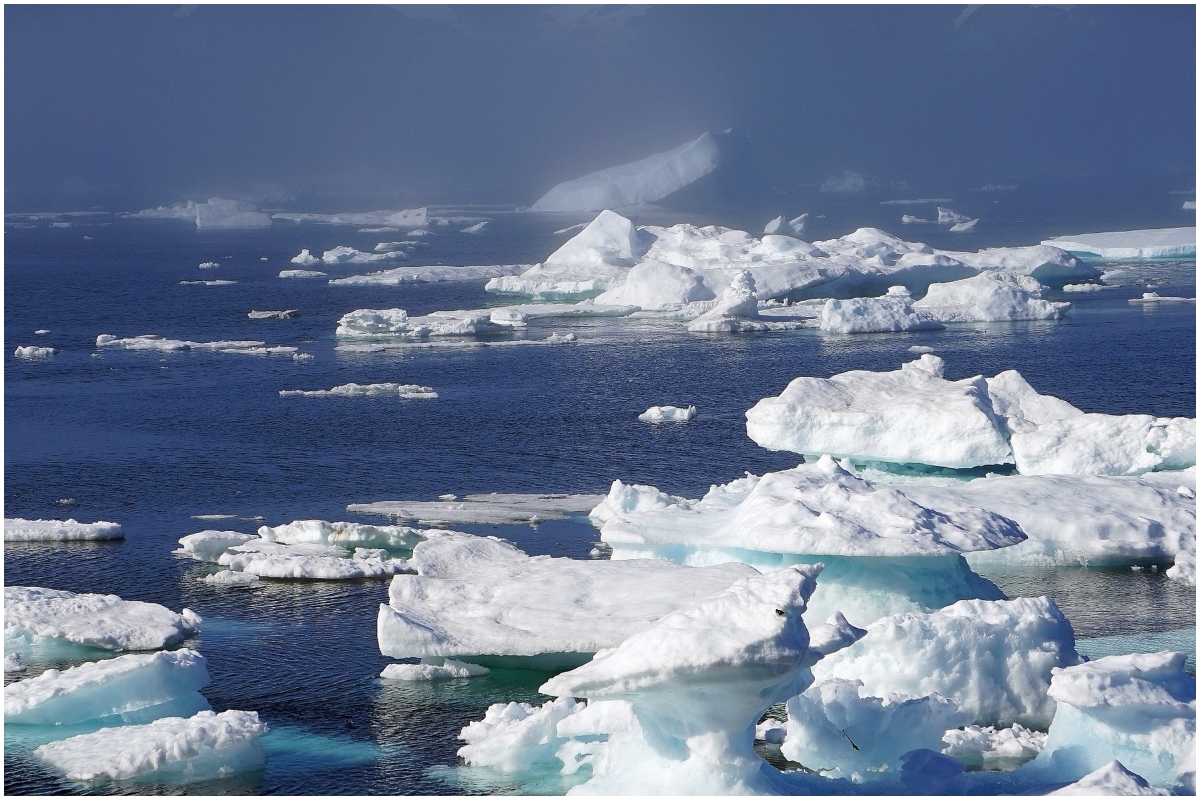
{"x":408,"y":218}
{"x":305,"y":259}
{"x":644,"y":181}
{"x":221,"y":213}
{"x":13,"y":664}
{"x":1110,"y":780}
{"x":482,"y":509}
{"x":348,"y":255}
{"x":989,"y":297}
{"x":343,"y":534}
{"x":1139,"y":709}
{"x":964,"y":227}
{"x":202,"y":747}
{"x":177,"y":211}
{"x":271,"y":559}
{"x":948,"y":217}
{"x":302,"y":273}
{"x":290,"y":313}
{"x":367,"y":322}
{"x":476,"y":228}
{"x":407,"y":391}
{"x":668,"y":414}
{"x":429,"y":274}
{"x":476,"y":597}
{"x":209,"y":265}
{"x":207,"y":283}
{"x":96,"y":620}
{"x":56,"y":530}
{"x":1139,"y":244}
{"x":109,"y":692}
{"x":895,"y":312}
{"x":1184,"y":569}
{"x":736,"y":310}
{"x":1155,"y":297}
{"x":435,"y":669}
{"x":32,"y":353}
{"x":995,"y":658}
{"x":1104,"y":444}
{"x":786,"y":227}
{"x":228,"y":577}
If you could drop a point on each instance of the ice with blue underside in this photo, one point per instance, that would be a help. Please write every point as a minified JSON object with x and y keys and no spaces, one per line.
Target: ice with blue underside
{"x":1137,"y":244}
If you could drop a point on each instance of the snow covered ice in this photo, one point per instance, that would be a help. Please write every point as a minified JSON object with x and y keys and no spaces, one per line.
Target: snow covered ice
{"x":154,"y":342}
{"x":407,"y":391}
{"x":302,"y":273}
{"x":285,"y":314}
{"x":210,"y":545}
{"x":667,"y":414}
{"x":407,"y":218}
{"x":97,"y":620}
{"x":201,"y":747}
{"x":432,"y":669}
{"x":1120,"y":245}
{"x":429,"y":274}
{"x":343,"y":534}
{"x":221,"y":213}
{"x":32,"y":353}
{"x":55,"y":530}
{"x":989,"y":297}
{"x":475,"y":596}
{"x":348,"y":255}
{"x":396,"y":322}
{"x":310,"y":561}
{"x":993,"y":748}
{"x":1110,"y":780}
{"x":893,"y":312}
{"x":482,"y":509}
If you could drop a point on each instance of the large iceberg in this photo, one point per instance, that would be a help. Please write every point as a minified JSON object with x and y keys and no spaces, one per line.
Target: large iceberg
{"x":201,"y":747}
{"x":113,"y":691}
{"x":475,"y":596}
{"x":56,"y":530}
{"x":97,"y":620}
{"x":1119,"y":245}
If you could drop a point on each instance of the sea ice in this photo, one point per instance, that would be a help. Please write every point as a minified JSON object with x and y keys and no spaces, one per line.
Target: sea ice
{"x":13,"y":664}
{"x":475,"y":596}
{"x":1120,"y":245}
{"x":994,"y":658}
{"x":1139,"y":709}
{"x":433,"y":669}
{"x":32,"y":353}
{"x":894,"y":312}
{"x":476,"y":228}
{"x":667,"y":414}
{"x":989,"y":297}
{"x":348,"y":255}
{"x":343,"y":534}
{"x":154,"y":342}
{"x":429,"y":274}
{"x":228,"y":577}
{"x":210,"y":545}
{"x":201,"y":747}
{"x":268,"y":559}
{"x":1155,"y":297}
{"x":96,"y":620}
{"x":209,"y":265}
{"x":786,"y":227}
{"x":221,"y":213}
{"x":367,"y":322}
{"x":483,"y":509}
{"x":54,"y":530}
{"x":993,"y":748}
{"x":408,"y":218}
{"x":207,"y":283}
{"x":736,"y":310}
{"x":1104,"y":444}
{"x":41,"y":331}
{"x":407,"y":391}
{"x":1184,"y":569}
{"x":287,"y":314}
{"x":106,"y":691}
{"x":1110,"y":780}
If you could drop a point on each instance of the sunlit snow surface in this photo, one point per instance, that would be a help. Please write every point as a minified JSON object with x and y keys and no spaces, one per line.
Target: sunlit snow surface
{"x":151,"y":438}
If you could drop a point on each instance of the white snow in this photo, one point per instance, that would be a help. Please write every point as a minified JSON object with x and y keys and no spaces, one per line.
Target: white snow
{"x":13,"y":664}
{"x":1083,"y":287}
{"x":786,"y":227}
{"x":644,"y":181}
{"x":482,"y":509}
{"x":1111,"y":780}
{"x":1120,"y":245}
{"x":54,"y":530}
{"x":395,"y":322}
{"x":1184,"y":569}
{"x":894,"y":312}
{"x":429,"y":274}
{"x":97,"y":620}
{"x":228,"y":577}
{"x":407,"y":391}
{"x":476,"y":596}
{"x":993,"y":748}
{"x":97,"y":690}
{"x":667,"y":414}
{"x":964,"y":227}
{"x":994,"y":658}
{"x":201,"y":747}
{"x":32,"y":353}
{"x":285,"y":314}
{"x":210,"y":545}
{"x":432,"y":669}
{"x":343,"y":534}
{"x":154,"y":342}
{"x":1104,"y":444}
{"x":270,"y":559}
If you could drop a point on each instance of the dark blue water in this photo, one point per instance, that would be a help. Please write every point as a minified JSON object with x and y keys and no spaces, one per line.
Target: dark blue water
{"x":149,"y":439}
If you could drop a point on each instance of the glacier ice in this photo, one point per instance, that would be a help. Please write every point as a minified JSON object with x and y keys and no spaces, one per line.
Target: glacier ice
{"x":32,"y":353}
{"x":432,"y":669}
{"x":736,"y":310}
{"x":305,"y":259}
{"x":667,"y":414}
{"x":207,"y":283}
{"x":482,"y":509}
{"x":1184,"y":569}
{"x":216,"y":212}
{"x":202,"y":747}
{"x":513,"y":737}
{"x":366,"y":322}
{"x":209,"y":265}
{"x":1155,"y":297}
{"x":407,"y":391}
{"x":56,"y":530}
{"x":786,"y":227}
{"x":964,"y":227}
{"x":1121,"y":245}
{"x":475,"y":596}
{"x":97,"y":620}
{"x":948,"y":217}
{"x":893,"y":312}
{"x":109,"y":690}
{"x":993,"y":657}
{"x":1105,"y":444}
{"x":13,"y":664}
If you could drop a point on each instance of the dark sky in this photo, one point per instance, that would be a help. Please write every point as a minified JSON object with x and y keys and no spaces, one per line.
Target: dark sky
{"x":344,"y":108}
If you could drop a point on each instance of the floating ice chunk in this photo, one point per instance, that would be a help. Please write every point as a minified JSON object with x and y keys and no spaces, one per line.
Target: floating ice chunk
{"x":476,"y":228}
{"x":305,"y":259}
{"x":519,"y":315}
{"x":209,"y":265}
{"x":1189,"y":205}
{"x":106,"y":690}
{"x":348,"y":255}
{"x":32,"y":353}
{"x":388,"y":247}
{"x":644,"y":181}
{"x":228,"y":577}
{"x":624,"y":499}
{"x":989,"y":297}
{"x":483,"y":509}
{"x":54,"y":530}
{"x":210,"y":545}
{"x":561,"y":338}
{"x":154,"y":342}
{"x":410,"y":217}
{"x":207,"y":283}
{"x":1104,"y":444}
{"x":911,"y":415}
{"x":667,"y":414}
{"x":948,"y":217}
{"x":302,"y":356}
{"x":994,"y":658}
{"x":177,"y":211}
{"x":482,"y":597}
{"x":97,"y":620}
{"x":834,"y":730}
{"x":343,"y":534}
{"x":260,"y":351}
{"x":1083,"y":287}
{"x":921,"y":349}
{"x":608,"y":239}
{"x":221,"y":213}
{"x":302,"y":273}
{"x":367,"y":322}
{"x":912,"y":219}
{"x":993,"y":748}
{"x":1184,"y":569}
{"x":785,"y":227}
{"x":1120,"y":245}
{"x":429,"y":274}
{"x":698,"y":680}
{"x":964,"y":227}
{"x":1155,"y":297}
{"x":736,"y":310}
{"x":1139,"y":709}
{"x":41,"y":331}
{"x":895,"y":312}
{"x":13,"y":664}
{"x":268,"y":559}
{"x":433,"y":669}
{"x":570,"y":229}
{"x":513,"y":737}
{"x":202,"y":747}
{"x":657,"y":285}
{"x":1110,"y":780}
{"x":288,"y":314}
{"x":407,"y":391}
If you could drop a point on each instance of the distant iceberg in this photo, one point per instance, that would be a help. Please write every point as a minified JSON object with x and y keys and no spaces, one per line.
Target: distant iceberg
{"x":408,"y":218}
{"x":216,"y":212}
{"x":1139,"y":244}
{"x":406,"y":391}
{"x":428,"y":274}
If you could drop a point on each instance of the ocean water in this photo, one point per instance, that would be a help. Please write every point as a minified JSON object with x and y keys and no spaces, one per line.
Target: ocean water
{"x":151,"y":439}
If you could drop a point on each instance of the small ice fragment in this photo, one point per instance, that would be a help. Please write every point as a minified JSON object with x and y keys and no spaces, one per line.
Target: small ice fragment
{"x":302,"y":356}
{"x":41,"y":331}
{"x":12,"y":664}
{"x":435,"y":669}
{"x":561,"y":338}
{"x":921,"y":349}
{"x":207,"y":283}
{"x":964,"y":227}
{"x":447,"y":497}
{"x":228,"y":577}
{"x":32,"y":353}
{"x":406,"y":391}
{"x":98,"y":620}
{"x":476,"y":228}
{"x":305,"y":259}
{"x":668,"y":414}
{"x":209,"y":265}
{"x":287,"y":314}
{"x":264,"y":258}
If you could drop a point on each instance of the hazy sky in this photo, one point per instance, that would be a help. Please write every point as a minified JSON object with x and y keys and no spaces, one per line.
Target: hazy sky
{"x":341,"y":108}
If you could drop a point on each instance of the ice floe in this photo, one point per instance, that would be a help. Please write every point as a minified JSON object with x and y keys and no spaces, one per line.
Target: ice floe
{"x":348,"y":255}
{"x":786,"y":227}
{"x":989,"y":297}
{"x":207,"y":283}
{"x":343,"y":534}
{"x":736,"y":310}
{"x":209,"y":265}
{"x":511,"y":738}
{"x":154,"y":342}
{"x":109,"y":691}
{"x":993,"y":748}
{"x":216,"y":212}
{"x":478,"y":227}
{"x":1105,"y":444}
{"x":201,"y":747}
{"x":407,"y":218}
{"x":395,"y":322}
{"x":210,"y":545}
{"x":32,"y":353}
{"x":304,"y":561}
{"x":407,"y":391}
{"x":302,"y":273}
{"x":993,"y":658}
{"x":894,"y":312}
{"x":305,"y":259}
{"x":433,"y":669}
{"x":97,"y":620}
{"x":482,"y":509}
{"x":286,"y":314}
{"x":667,"y":414}
{"x":1155,"y":297}
{"x":1082,"y":288}
{"x":429,"y":274}
{"x":475,"y":596}
{"x":56,"y":530}
{"x":964,"y":227}
{"x":1120,"y":245}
